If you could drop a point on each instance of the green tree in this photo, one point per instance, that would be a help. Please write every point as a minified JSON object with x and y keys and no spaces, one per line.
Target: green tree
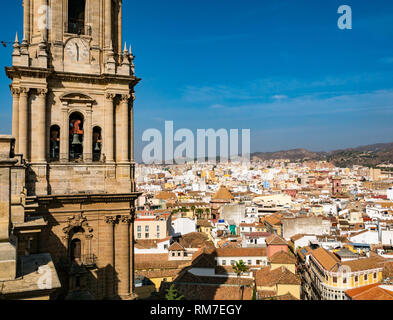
{"x":172,"y":294}
{"x":239,"y":268}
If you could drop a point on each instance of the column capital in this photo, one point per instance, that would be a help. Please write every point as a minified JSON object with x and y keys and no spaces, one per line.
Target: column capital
{"x":42,"y":92}
{"x":110,"y":96}
{"x":125,"y":219}
{"x":110,"y":220}
{"x":24,"y":90}
{"x":15,"y":91}
{"x":125,"y":98}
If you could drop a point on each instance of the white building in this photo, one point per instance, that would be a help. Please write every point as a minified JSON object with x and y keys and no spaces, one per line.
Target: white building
{"x":366,"y":237}
{"x":182,"y":226}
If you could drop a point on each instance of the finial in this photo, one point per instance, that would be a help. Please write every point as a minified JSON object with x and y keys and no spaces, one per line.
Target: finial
{"x":125,"y":47}
{"x":16,"y":38}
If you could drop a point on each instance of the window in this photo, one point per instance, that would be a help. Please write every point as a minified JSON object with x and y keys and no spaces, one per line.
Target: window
{"x":76,"y":16}
{"x":344,"y":280}
{"x":249,"y":262}
{"x":54,"y":143}
{"x":147,"y":228}
{"x":258,"y":262}
{"x":139,"y":228}
{"x":146,"y":235}
{"x":139,"y":235}
{"x":97,"y":144}
{"x":179,"y":254}
{"x":76,"y":136}
{"x":173,"y":254}
{"x":158,"y":228}
{"x":224,"y":262}
{"x":366,"y":277}
{"x":356,"y":278}
{"x":158,"y":235}
{"x":334,"y":279}
{"x":375,"y":276}
{"x":232,"y":262}
{"x":165,"y":246}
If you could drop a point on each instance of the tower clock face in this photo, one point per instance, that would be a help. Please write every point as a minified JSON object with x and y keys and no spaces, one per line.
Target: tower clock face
{"x":77,"y":50}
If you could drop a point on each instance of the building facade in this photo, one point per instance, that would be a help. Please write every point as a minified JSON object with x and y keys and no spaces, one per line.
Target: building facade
{"x":73,"y":95}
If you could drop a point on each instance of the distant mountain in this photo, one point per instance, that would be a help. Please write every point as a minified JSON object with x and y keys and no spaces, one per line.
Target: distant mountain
{"x":370,"y":155}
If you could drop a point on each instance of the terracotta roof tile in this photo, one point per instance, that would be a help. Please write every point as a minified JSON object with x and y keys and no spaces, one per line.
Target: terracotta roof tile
{"x":282,"y":257}
{"x":223,"y":194}
{"x":269,"y":278}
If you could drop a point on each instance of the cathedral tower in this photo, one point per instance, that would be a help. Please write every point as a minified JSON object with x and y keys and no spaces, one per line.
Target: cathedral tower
{"x":73,"y":93}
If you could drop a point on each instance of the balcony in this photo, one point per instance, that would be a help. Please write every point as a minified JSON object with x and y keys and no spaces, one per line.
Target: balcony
{"x":89,"y":260}
{"x":78,"y":27}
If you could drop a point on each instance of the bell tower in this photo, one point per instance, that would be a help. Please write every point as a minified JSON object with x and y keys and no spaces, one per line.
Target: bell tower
{"x":73,"y":96}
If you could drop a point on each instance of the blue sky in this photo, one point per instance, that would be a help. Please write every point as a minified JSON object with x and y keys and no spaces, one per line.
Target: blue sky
{"x":281,"y":68}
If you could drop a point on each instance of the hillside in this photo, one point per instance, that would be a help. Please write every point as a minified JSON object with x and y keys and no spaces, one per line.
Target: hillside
{"x":370,"y":155}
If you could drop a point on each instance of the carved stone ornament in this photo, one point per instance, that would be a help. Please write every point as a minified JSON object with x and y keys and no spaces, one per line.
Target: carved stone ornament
{"x":77,"y":221}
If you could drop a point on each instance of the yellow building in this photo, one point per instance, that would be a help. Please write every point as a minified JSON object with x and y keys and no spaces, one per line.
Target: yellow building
{"x":275,"y":283}
{"x":332,"y":277}
{"x":204,"y":226}
{"x":283,"y":259}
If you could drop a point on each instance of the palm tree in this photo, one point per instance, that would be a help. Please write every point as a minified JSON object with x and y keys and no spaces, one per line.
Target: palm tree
{"x":239,"y":268}
{"x":172,"y":294}
{"x":193,"y":210}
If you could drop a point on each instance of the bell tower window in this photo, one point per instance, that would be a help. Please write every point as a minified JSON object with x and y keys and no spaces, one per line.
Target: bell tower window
{"x":97,"y":144}
{"x":76,"y":16}
{"x":54,"y":143}
{"x":76,"y":136}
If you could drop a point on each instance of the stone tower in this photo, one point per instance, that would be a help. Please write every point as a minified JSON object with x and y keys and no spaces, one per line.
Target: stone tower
{"x":73,"y":95}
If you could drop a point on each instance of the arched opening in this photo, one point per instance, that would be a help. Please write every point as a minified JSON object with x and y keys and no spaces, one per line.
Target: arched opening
{"x":76,"y":250}
{"x":97,"y":143}
{"x":76,"y":16}
{"x":54,"y":143}
{"x":76,"y":136}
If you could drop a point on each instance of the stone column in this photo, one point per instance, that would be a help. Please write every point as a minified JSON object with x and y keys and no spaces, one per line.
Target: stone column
{"x":109,"y":127}
{"x":38,"y":132}
{"x":23,"y":121}
{"x":110,"y":257}
{"x":132,"y":249}
{"x":132,"y":127}
{"x":108,"y":24}
{"x":124,"y":259}
{"x":15,"y":116}
{"x":64,"y":135}
{"x":26,"y":20}
{"x":88,"y":139}
{"x":123,"y":121}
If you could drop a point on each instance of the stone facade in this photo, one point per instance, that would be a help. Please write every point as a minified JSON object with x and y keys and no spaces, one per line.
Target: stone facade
{"x":73,"y":186}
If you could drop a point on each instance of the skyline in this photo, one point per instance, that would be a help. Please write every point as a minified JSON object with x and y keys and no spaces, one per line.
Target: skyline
{"x":281,"y":69}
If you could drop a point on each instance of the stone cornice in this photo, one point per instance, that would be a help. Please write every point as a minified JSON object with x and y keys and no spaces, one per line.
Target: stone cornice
{"x":17,"y":72}
{"x":89,"y":198}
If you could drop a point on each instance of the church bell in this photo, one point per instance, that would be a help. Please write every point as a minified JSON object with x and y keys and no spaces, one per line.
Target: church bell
{"x":75,"y":139}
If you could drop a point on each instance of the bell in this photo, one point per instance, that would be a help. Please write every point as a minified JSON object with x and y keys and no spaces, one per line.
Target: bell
{"x":97,"y":147}
{"x":75,"y":139}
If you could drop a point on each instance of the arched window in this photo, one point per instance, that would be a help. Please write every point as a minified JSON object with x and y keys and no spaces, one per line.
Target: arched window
{"x":97,"y":143}
{"x":76,"y":136}
{"x":54,"y":143}
{"x":76,"y":16}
